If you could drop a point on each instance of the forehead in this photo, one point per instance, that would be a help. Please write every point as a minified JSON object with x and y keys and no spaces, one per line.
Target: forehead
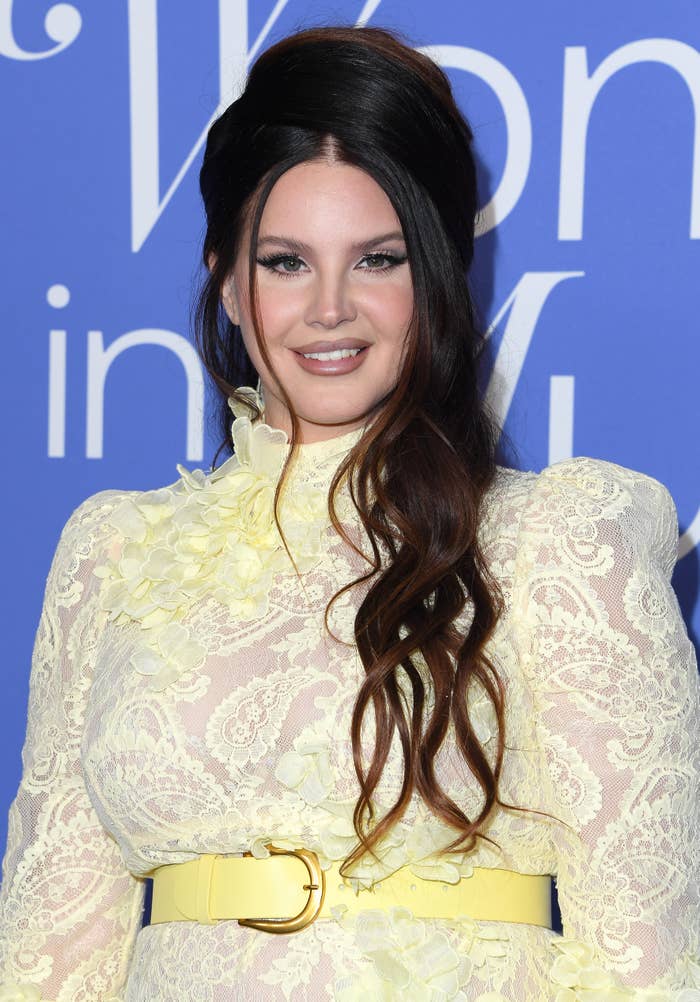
{"x":327,"y":200}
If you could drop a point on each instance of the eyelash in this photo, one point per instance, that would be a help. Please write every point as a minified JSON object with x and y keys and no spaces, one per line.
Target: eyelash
{"x":275,"y":259}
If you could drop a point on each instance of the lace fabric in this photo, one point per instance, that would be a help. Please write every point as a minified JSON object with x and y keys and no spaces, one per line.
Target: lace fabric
{"x":129,"y":765}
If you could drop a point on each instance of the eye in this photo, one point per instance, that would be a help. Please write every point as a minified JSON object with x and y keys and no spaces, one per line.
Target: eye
{"x":383,"y":261}
{"x":272,"y":263}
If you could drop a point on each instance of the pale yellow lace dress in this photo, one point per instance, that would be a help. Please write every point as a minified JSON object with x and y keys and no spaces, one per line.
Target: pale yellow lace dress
{"x":185,"y":699}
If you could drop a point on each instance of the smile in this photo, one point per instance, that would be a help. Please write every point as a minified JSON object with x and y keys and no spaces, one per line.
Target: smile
{"x":332,"y":363}
{"x":342,"y":353}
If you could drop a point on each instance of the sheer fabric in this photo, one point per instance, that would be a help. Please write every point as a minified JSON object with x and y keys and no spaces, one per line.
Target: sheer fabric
{"x":185,"y":698}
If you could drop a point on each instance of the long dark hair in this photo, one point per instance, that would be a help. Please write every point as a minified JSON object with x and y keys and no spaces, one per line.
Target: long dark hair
{"x":419,"y":475}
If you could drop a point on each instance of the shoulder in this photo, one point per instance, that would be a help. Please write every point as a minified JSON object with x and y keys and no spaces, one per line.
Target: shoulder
{"x":82,"y":543}
{"x":606,"y":484}
{"x":581,"y":509}
{"x":593,"y":603}
{"x":94,"y":511}
{"x":94,"y":527}
{"x":91,"y":520}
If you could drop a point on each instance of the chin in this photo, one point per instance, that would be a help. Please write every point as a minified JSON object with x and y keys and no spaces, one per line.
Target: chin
{"x":337,"y":415}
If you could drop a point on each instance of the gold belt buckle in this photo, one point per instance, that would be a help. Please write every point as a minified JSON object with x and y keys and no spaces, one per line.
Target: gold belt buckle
{"x":316,"y":888}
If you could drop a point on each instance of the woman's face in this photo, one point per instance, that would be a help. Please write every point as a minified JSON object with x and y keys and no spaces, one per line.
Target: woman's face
{"x":332,"y":275}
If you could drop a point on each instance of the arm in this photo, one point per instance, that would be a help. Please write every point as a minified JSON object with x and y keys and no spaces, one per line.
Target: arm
{"x":69,"y":909}
{"x":614,"y":674}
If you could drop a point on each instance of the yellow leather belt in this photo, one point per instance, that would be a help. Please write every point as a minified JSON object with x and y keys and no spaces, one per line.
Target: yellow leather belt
{"x":288,"y":890}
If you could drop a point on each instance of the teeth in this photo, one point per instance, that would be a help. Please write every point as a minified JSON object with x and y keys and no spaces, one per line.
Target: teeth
{"x":328,"y":355}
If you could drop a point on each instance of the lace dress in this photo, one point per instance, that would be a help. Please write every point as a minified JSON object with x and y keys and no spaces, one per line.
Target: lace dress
{"x":185,"y":698}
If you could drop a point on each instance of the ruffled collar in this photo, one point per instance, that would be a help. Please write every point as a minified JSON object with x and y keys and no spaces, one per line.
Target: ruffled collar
{"x":213,"y":537}
{"x":265,"y":448}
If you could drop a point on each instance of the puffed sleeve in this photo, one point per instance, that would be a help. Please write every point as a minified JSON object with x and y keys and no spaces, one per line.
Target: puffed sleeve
{"x":69,"y":909}
{"x":615,"y":681}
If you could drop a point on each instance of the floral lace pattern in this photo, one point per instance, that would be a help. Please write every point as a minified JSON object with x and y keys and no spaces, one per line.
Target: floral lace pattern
{"x":185,"y":697}
{"x":209,"y":536}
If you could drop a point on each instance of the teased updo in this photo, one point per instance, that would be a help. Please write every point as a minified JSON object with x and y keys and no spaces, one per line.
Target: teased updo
{"x":419,"y":475}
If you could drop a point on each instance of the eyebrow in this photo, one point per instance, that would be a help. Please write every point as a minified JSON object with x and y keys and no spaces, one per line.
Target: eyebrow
{"x":360,"y":245}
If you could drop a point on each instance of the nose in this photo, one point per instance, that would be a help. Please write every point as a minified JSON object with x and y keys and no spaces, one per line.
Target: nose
{"x":330,"y":302}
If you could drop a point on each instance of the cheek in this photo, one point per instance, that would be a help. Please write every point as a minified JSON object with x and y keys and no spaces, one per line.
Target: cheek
{"x":279,"y":310}
{"x":391,"y":309}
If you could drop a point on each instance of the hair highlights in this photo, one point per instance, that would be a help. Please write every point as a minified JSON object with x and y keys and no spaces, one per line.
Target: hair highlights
{"x":420,"y":474}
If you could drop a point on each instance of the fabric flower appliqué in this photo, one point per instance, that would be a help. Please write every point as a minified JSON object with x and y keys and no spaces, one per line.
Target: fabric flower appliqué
{"x":580,"y":978}
{"x":410,"y":959}
{"x":209,"y":536}
{"x":307,"y":769}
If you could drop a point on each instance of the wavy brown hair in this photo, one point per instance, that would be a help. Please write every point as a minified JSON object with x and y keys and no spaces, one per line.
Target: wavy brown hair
{"x":420,"y":473}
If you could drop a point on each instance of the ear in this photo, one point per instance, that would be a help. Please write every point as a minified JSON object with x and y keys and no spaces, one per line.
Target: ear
{"x":228,"y":298}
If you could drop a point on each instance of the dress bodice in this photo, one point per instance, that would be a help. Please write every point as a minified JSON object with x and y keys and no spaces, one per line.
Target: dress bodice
{"x":187,"y":698}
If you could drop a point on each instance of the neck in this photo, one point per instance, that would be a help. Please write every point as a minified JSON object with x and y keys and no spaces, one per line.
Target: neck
{"x":275,"y":415}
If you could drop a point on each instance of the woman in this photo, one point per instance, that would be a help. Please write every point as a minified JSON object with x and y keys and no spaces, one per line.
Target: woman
{"x":375,"y":730}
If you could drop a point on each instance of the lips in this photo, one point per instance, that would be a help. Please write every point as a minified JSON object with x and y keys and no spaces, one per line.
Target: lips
{"x":332,"y":366}
{"x":317,"y":346}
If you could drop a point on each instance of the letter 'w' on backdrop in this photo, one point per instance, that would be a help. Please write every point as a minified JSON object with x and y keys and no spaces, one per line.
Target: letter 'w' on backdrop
{"x":586,"y":267}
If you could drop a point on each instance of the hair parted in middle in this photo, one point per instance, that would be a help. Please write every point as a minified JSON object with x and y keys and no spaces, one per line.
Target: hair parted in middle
{"x":420,"y":473}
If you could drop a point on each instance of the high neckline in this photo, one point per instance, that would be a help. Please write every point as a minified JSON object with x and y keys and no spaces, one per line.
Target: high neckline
{"x":309,"y":454}
{"x":329,"y":448}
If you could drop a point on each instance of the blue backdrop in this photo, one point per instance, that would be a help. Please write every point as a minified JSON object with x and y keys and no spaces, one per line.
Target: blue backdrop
{"x":587,"y":273}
